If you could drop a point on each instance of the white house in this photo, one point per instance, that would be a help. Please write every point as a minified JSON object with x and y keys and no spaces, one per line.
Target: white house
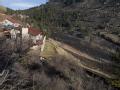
{"x":14,"y":33}
{"x":8,"y":21}
{"x":28,"y":33}
{"x":25,"y":33}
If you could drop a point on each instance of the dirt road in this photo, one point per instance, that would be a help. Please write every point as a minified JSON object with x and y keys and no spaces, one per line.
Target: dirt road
{"x":101,"y":67}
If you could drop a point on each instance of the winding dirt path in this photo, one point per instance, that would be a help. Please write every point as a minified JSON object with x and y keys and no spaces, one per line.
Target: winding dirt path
{"x":100,"y":67}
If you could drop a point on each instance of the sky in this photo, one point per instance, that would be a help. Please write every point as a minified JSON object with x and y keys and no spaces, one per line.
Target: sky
{"x":21,"y":4}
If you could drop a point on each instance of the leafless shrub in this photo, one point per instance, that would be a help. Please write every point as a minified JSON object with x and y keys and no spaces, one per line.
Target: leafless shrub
{"x":96,"y":84}
{"x":55,"y":74}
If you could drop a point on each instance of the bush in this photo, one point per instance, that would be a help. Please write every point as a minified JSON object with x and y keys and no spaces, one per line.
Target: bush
{"x":58,"y":73}
{"x":114,"y":82}
{"x":116,"y":56}
{"x":116,"y":59}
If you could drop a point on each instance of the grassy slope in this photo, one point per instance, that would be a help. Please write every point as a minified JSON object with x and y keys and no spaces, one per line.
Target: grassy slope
{"x":3,"y":9}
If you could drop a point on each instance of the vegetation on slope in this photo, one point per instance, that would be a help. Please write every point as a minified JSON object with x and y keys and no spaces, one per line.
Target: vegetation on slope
{"x":116,"y":59}
{"x":29,"y":72}
{"x":65,"y":16}
{"x":3,"y":9}
{"x":116,"y":56}
{"x":85,"y":16}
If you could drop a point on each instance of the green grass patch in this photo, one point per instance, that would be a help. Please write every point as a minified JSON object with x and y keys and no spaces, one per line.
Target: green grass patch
{"x":114,"y":82}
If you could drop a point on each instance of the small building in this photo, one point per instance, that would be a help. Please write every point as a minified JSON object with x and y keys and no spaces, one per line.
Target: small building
{"x":29,"y":33}
{"x":7,"y":34}
{"x":9,"y":21}
{"x":36,"y":36}
{"x":14,"y":33}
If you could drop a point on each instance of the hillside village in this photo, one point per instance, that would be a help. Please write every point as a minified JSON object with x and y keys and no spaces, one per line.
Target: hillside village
{"x":61,"y":45}
{"x":13,"y":29}
{"x":24,"y":39}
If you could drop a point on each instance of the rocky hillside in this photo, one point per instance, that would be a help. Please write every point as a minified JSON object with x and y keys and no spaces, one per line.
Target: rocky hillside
{"x":83,"y":15}
{"x":94,"y":14}
{"x":60,"y":72}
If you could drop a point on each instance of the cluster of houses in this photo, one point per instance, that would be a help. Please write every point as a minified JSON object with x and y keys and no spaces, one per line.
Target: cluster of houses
{"x":13,"y":29}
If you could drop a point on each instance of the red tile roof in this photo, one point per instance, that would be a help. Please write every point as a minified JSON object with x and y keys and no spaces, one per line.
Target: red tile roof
{"x":10,"y":18}
{"x":13,"y":20}
{"x":34,"y":31}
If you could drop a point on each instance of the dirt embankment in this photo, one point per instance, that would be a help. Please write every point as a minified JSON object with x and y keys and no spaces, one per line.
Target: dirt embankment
{"x":59,"y":70}
{"x":83,"y":60}
{"x":112,"y":38}
{"x":1,"y":35}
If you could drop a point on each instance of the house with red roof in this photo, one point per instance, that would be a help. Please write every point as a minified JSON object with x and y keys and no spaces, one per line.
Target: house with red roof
{"x":15,"y":29}
{"x":28,"y":33}
{"x":7,"y":20}
{"x":36,"y":35}
{"x":10,"y":22}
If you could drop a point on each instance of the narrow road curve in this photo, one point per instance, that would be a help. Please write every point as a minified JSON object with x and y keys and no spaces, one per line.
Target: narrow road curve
{"x":79,"y":53}
{"x":89,"y":63}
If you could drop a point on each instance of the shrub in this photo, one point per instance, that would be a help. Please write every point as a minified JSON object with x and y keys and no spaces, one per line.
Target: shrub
{"x":116,"y":56}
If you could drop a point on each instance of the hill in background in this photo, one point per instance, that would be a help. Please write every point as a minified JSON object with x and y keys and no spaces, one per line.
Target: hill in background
{"x":3,"y":9}
{"x":85,"y":16}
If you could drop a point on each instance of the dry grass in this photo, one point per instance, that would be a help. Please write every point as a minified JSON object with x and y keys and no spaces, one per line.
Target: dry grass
{"x":49,"y":51}
{"x":56,"y":74}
